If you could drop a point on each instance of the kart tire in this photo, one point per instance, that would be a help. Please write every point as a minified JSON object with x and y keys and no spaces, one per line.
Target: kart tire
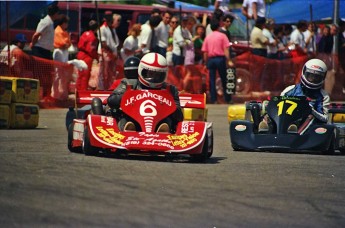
{"x":209,"y":154}
{"x":70,"y":139}
{"x":342,"y":151}
{"x":331,"y":148}
{"x":88,"y":149}
{"x":203,"y":155}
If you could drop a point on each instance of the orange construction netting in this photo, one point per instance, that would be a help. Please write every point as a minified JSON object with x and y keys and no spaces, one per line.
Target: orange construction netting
{"x":256,"y":76}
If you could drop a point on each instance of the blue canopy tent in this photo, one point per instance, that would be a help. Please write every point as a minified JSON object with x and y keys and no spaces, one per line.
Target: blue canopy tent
{"x":291,"y":11}
{"x":16,"y":10}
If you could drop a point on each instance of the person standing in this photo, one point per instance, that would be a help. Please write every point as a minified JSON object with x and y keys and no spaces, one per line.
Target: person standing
{"x":146,"y":38}
{"x":107,"y":51}
{"x":182,"y":38}
{"x":13,"y":54}
{"x":62,"y":42}
{"x":162,"y":34}
{"x":131,"y":44}
{"x":272,"y":47}
{"x":42,"y":45}
{"x":298,"y":47}
{"x":217,"y":57}
{"x":310,"y":39}
{"x":42,"y":42}
{"x":252,"y":10}
{"x":87,"y":46}
{"x":259,"y":41}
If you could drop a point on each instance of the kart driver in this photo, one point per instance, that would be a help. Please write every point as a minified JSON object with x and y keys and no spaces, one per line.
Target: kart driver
{"x":312,"y":80}
{"x":152,"y":73}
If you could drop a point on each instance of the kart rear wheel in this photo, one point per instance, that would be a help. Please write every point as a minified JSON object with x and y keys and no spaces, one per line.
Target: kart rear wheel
{"x":88,"y":149}
{"x":70,"y":140}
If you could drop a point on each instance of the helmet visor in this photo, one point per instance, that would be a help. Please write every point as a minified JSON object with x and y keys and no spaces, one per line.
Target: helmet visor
{"x":154,"y":76}
{"x":314,"y":77}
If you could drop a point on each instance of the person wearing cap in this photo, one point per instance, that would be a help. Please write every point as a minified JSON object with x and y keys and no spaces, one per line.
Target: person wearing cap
{"x":87,"y":47}
{"x":257,"y":38}
{"x":42,"y":42}
{"x":16,"y":53}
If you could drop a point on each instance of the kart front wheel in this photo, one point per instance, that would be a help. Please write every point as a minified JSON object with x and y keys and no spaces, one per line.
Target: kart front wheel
{"x":204,"y":153}
{"x":331,"y":148}
{"x":88,"y":149}
{"x":70,"y":140}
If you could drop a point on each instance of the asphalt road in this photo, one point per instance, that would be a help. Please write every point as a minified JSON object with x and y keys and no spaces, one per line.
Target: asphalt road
{"x":42,"y":184}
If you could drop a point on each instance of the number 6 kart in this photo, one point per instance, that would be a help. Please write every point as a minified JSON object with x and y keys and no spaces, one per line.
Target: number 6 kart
{"x":147,"y":107}
{"x":282,"y":111}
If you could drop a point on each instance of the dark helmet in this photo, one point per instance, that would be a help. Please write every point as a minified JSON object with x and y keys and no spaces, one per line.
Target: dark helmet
{"x":131,"y":67}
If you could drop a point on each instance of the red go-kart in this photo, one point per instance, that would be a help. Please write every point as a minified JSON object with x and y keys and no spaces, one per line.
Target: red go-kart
{"x":97,"y":133}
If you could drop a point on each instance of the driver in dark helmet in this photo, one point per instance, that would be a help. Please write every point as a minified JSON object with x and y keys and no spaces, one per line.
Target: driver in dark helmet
{"x":152,"y":73}
{"x":130,"y":69}
{"x":312,"y":80}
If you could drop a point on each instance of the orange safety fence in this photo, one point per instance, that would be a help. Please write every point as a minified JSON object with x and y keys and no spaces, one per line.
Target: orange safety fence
{"x":257,"y":77}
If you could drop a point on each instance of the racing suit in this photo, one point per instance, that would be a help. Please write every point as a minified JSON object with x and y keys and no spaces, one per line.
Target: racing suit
{"x":114,"y":101}
{"x":319,"y":100}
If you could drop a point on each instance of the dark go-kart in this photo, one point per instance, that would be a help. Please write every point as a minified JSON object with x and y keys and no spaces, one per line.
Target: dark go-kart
{"x":283,"y":111}
{"x":93,"y":133}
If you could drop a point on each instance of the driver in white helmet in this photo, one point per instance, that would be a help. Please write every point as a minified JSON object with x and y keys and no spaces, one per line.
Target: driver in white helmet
{"x":312,"y":80}
{"x":152,"y":73}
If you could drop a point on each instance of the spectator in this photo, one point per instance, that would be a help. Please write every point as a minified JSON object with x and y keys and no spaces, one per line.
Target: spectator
{"x":257,"y":38}
{"x":173,"y":26}
{"x":182,"y":39}
{"x":252,"y":10}
{"x":87,"y":46}
{"x":107,"y":50}
{"x":310,"y":39}
{"x":15,"y":55}
{"x":200,"y":36}
{"x":298,"y":45}
{"x":325,"y":44}
{"x":218,"y":14}
{"x":162,"y":34}
{"x":227,"y":21}
{"x":42,"y":42}
{"x":217,"y":58}
{"x":131,"y":43}
{"x":272,"y":49}
{"x":146,"y":38}
{"x":282,"y":48}
{"x":189,"y":52}
{"x":341,"y":47}
{"x":62,"y":42}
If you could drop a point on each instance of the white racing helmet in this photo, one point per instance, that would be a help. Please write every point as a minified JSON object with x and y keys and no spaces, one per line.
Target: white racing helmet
{"x":152,"y":70}
{"x":314,"y":74}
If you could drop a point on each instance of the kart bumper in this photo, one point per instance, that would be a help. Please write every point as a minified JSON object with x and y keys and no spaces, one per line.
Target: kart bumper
{"x":316,"y":138}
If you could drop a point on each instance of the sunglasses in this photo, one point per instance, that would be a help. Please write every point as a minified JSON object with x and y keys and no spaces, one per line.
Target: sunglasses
{"x":173,"y":22}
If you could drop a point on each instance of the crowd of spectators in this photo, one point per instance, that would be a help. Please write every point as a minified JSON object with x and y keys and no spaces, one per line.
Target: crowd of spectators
{"x":179,"y":38}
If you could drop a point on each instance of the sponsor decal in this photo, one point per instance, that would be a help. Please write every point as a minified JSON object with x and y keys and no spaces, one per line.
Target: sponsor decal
{"x":109,"y":135}
{"x":240,"y":127}
{"x":187,"y":127}
{"x":148,"y":94}
{"x":320,"y":130}
{"x":183,"y":140}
